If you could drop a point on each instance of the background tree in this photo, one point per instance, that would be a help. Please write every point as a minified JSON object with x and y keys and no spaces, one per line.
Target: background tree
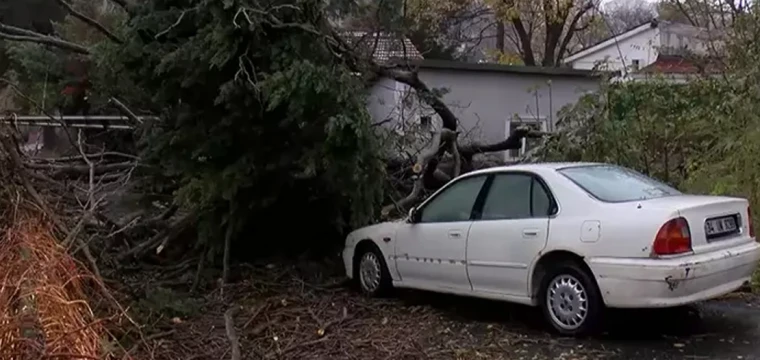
{"x":710,"y":14}
{"x":615,"y":17}
{"x":544,"y":30}
{"x":622,"y":15}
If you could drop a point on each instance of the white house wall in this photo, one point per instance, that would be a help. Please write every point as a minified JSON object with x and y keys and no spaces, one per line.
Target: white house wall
{"x":382,"y":99}
{"x":484,"y":102}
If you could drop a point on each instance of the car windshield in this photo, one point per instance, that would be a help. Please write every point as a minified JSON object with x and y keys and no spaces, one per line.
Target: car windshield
{"x":616,"y":184}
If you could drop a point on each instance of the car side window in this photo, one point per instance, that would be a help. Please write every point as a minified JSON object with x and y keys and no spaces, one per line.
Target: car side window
{"x":541,"y":202}
{"x":508,"y":198}
{"x":454,"y":203}
{"x":515,"y":196}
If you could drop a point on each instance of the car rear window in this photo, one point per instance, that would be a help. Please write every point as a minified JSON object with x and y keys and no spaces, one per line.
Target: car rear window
{"x":616,"y":184}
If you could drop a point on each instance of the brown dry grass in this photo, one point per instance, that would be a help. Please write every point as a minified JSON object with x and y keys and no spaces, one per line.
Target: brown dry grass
{"x":44,"y":312}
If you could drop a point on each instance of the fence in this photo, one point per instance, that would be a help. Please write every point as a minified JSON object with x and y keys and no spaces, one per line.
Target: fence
{"x":42,"y":132}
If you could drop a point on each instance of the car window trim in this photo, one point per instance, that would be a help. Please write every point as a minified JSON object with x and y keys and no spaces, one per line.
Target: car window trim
{"x":440,"y":191}
{"x":478,"y":208}
{"x":553,"y":203}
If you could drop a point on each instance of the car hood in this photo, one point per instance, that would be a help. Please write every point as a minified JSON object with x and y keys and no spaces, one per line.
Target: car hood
{"x":383,"y":229}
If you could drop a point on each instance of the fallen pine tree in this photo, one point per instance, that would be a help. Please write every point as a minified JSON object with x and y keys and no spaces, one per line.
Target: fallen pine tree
{"x":237,"y":135}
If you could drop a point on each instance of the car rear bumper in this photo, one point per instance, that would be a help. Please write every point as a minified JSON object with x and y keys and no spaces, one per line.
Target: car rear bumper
{"x":646,"y":283}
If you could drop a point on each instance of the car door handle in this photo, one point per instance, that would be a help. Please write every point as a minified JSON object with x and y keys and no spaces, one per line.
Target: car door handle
{"x":530,"y":232}
{"x":455,"y":234}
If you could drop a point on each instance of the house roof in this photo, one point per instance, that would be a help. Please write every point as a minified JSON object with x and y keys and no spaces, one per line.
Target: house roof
{"x":611,"y":40}
{"x":673,"y":64}
{"x":666,"y":26}
{"x":383,"y":47}
{"x":498,"y":68}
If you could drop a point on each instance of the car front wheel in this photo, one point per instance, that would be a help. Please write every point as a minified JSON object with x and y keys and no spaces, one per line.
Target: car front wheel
{"x":570,"y":300}
{"x":372,"y":273}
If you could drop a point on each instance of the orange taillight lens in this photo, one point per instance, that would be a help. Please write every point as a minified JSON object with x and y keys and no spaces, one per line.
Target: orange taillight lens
{"x":673,"y":238}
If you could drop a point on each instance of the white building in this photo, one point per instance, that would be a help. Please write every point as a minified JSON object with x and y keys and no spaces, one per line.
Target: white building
{"x":652,"y":46}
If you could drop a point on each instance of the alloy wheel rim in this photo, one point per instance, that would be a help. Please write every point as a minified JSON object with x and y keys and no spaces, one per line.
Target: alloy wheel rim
{"x":369,"y":272}
{"x":567,"y":301}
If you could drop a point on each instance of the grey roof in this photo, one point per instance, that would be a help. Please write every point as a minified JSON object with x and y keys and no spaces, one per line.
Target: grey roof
{"x":498,"y":68}
{"x":383,"y":47}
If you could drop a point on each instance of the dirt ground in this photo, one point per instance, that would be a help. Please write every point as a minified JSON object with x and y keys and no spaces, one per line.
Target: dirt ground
{"x":283,"y":313}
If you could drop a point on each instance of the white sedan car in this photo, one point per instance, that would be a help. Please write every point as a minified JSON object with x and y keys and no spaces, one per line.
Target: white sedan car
{"x":572,"y":238}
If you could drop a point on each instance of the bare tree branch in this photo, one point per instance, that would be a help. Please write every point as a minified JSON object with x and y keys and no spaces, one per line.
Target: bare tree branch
{"x":572,"y":29}
{"x":410,"y":78}
{"x":514,"y":141}
{"x":17,"y":34}
{"x":90,"y":21}
{"x":423,"y":161}
{"x":124,"y":110}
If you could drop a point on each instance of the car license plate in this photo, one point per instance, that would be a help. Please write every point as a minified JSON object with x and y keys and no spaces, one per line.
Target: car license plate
{"x":720,"y":226}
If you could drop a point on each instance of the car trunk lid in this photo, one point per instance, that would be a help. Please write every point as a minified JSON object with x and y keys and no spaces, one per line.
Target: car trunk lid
{"x":715,"y":222}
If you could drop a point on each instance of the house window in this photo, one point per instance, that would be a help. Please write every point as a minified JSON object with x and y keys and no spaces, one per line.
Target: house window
{"x":635,"y":64}
{"x":536,"y":123}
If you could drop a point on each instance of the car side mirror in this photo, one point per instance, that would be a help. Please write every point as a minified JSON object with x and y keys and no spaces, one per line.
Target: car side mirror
{"x":413,"y":215}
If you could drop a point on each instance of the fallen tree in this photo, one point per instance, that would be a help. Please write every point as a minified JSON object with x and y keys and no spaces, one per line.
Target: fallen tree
{"x":238,"y":84}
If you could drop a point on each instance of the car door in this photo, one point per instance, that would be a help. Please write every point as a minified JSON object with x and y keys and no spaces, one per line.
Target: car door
{"x":430,"y":252}
{"x":510,"y":230}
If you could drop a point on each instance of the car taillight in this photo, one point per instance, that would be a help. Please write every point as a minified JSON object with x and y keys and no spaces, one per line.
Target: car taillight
{"x":749,"y":222}
{"x":673,"y":238}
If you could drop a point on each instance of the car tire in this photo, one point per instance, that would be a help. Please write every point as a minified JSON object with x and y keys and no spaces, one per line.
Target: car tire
{"x":371,"y":273}
{"x":570,"y":300}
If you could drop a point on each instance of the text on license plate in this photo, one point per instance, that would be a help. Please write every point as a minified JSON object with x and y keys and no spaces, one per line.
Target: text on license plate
{"x":720,"y":226}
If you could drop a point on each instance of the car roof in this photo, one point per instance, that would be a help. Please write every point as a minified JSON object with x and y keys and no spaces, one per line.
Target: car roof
{"x":536,"y":166}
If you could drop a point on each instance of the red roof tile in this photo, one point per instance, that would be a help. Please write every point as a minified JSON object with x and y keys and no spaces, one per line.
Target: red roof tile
{"x":670,"y":64}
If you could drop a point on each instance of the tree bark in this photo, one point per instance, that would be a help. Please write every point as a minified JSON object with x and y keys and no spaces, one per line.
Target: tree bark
{"x":500,"y":36}
{"x":526,"y":42}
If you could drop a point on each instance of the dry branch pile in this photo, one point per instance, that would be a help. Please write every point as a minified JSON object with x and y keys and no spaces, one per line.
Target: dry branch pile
{"x":51,"y":305}
{"x":45,"y":312}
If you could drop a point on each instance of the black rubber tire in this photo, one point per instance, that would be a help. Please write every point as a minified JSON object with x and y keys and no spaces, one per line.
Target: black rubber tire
{"x":592,"y":323}
{"x":386,"y":282}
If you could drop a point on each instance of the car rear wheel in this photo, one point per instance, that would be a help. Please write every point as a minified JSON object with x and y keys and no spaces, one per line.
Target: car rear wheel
{"x":372,"y":273}
{"x":570,"y":300}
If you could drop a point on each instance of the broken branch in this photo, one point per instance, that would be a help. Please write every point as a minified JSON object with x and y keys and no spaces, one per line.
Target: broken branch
{"x":17,"y":34}
{"x":90,"y":21}
{"x":411,"y":78}
{"x":514,"y":141}
{"x":12,"y":149}
{"x":124,"y":110}
{"x":75,"y":170}
{"x":229,"y":326}
{"x":423,"y":160}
